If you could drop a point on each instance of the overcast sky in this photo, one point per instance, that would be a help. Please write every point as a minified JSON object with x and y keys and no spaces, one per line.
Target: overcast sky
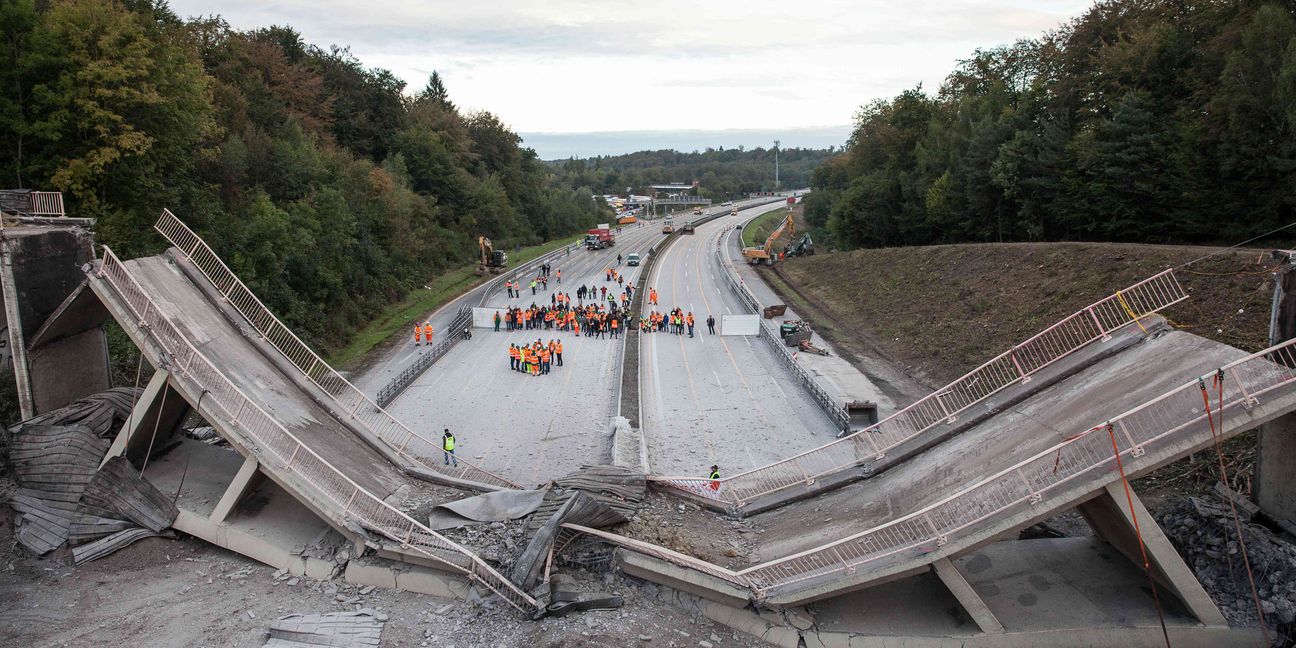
{"x":579,"y":66}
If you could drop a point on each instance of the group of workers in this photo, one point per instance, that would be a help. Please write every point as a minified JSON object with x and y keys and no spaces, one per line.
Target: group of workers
{"x":423,"y":331}
{"x":596,"y":321}
{"x":514,"y":287}
{"x":536,"y":358}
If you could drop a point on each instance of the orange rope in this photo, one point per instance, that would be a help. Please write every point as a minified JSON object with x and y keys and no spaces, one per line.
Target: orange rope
{"x":1218,"y":381}
{"x":1138,"y":533}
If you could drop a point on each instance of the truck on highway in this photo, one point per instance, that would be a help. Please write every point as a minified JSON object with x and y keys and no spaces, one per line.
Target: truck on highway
{"x":628,"y":219}
{"x":668,"y":227}
{"x":600,"y":237}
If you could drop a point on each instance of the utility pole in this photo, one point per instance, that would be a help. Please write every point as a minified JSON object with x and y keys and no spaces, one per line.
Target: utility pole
{"x":776,"y":178}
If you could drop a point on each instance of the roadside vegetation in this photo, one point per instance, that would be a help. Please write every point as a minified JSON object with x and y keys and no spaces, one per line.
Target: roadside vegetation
{"x":328,"y":188}
{"x":1149,"y":122}
{"x":721,"y":173}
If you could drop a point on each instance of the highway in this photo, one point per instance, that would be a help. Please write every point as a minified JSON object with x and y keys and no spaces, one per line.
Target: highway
{"x":532,"y":428}
{"x":722,"y":400}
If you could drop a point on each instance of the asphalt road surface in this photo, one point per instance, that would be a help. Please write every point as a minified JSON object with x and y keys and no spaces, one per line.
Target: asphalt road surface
{"x":722,"y":400}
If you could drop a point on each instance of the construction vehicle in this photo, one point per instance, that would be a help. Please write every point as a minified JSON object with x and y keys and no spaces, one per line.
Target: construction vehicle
{"x":668,"y":227}
{"x":765,"y":253}
{"x":688,"y":228}
{"x":600,"y":237}
{"x":804,"y":247}
{"x":490,"y":260}
{"x":628,"y":219}
{"x":697,"y":211}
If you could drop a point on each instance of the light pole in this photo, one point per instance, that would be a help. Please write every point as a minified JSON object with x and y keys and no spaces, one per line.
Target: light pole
{"x":776,"y":169}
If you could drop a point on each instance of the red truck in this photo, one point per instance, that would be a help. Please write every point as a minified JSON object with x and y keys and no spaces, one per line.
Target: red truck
{"x":600,"y":237}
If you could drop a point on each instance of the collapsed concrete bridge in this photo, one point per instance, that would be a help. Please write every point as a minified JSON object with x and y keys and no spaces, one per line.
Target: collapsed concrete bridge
{"x":975,"y":463}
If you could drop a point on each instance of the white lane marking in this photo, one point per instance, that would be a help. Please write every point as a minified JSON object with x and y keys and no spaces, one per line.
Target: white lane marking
{"x":717,"y":377}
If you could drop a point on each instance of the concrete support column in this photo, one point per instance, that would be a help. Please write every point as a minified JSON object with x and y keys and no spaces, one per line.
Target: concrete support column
{"x":244,"y":481}
{"x":1275,"y":490}
{"x":17,"y":341}
{"x":159,"y":409}
{"x":967,"y":597}
{"x":1110,"y":517}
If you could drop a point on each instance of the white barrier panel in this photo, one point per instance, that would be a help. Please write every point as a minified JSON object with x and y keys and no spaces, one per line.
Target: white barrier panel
{"x":740,"y":325}
{"x":485,"y":317}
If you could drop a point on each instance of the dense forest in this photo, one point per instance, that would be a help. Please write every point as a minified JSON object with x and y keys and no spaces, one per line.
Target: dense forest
{"x":722,"y":173}
{"x":1141,"y":120}
{"x":330,"y":189}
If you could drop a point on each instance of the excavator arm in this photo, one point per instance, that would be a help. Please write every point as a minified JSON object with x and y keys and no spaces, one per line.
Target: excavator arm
{"x":788,"y":225}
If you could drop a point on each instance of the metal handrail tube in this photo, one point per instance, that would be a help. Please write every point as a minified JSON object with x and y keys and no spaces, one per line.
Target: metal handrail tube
{"x":1031,"y":479}
{"x":275,"y":439}
{"x":47,"y":203}
{"x":297,"y":352}
{"x":1040,"y":350}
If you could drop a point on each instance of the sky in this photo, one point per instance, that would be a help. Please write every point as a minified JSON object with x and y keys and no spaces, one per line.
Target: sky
{"x":578,"y":67}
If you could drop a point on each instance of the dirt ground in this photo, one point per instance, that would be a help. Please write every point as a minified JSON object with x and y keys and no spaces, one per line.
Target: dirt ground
{"x":185,"y":592}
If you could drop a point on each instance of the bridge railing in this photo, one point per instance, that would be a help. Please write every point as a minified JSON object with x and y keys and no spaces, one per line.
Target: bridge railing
{"x":1016,"y":365}
{"x":1032,"y":482}
{"x":417,"y":448}
{"x":288,"y":452}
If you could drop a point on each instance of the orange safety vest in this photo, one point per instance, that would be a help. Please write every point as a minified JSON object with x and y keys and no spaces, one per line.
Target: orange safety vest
{"x":614,"y":323}
{"x":417,"y":331}
{"x":690,"y":320}
{"x":427,"y":332}
{"x":559,"y":348}
{"x":544,"y":356}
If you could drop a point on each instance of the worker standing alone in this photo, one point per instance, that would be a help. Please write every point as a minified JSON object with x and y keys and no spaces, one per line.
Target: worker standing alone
{"x":711,"y":324}
{"x":497,"y":321}
{"x":715,"y":476}
{"x":448,"y":447}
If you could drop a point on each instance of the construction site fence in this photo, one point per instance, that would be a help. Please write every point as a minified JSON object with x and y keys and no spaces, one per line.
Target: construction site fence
{"x":942,"y":407}
{"x":1041,"y":482}
{"x":397,"y":385}
{"x":290,"y":456}
{"x":355,"y":405}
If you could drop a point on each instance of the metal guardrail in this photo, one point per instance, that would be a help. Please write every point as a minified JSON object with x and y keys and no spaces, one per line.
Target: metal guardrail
{"x":942,"y":407}
{"x":404,"y":379}
{"x":1029,"y":483}
{"x":358,"y":407}
{"x":32,"y":203}
{"x":289,"y":454}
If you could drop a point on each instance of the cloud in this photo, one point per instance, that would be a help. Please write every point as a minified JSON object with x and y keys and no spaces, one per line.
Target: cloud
{"x":574,"y":65}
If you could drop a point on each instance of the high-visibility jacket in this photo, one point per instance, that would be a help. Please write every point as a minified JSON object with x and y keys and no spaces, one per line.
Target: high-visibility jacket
{"x":715,"y":474}
{"x":690,"y":320}
{"x":558,"y":349}
{"x":614,"y":323}
{"x":513,"y":352}
{"x":544,"y":356}
{"x":417,"y":332}
{"x":427,"y":331}
{"x":448,"y":443}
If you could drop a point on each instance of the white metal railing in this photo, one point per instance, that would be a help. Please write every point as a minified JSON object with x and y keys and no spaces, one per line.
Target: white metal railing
{"x":1016,"y":365}
{"x":47,"y":203}
{"x":1029,"y":483}
{"x":354,"y":403}
{"x":289,"y":453}
{"x":662,"y":553}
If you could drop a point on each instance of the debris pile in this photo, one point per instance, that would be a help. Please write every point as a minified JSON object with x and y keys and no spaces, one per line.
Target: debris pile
{"x":360,"y":629}
{"x":65,"y":496}
{"x":1203,"y":532}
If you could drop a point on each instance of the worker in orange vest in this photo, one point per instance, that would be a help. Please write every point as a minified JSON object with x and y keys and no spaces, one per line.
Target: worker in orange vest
{"x":418,"y":332}
{"x":558,"y":352}
{"x":652,"y":296}
{"x":427,"y":331}
{"x":615,"y":327}
{"x":559,"y":273}
{"x":689,"y":319}
{"x":544,"y":360}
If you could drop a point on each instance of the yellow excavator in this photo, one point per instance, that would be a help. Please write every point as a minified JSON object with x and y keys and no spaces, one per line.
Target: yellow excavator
{"x":491,"y":260}
{"x":765,"y":254}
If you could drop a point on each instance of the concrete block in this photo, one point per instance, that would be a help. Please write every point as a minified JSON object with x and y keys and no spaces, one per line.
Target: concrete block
{"x":1275,"y":464}
{"x":750,"y":623}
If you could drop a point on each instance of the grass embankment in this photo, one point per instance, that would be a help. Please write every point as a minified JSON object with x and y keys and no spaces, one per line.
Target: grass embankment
{"x":439,"y":291}
{"x":755,"y":232}
{"x":940,"y":311}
